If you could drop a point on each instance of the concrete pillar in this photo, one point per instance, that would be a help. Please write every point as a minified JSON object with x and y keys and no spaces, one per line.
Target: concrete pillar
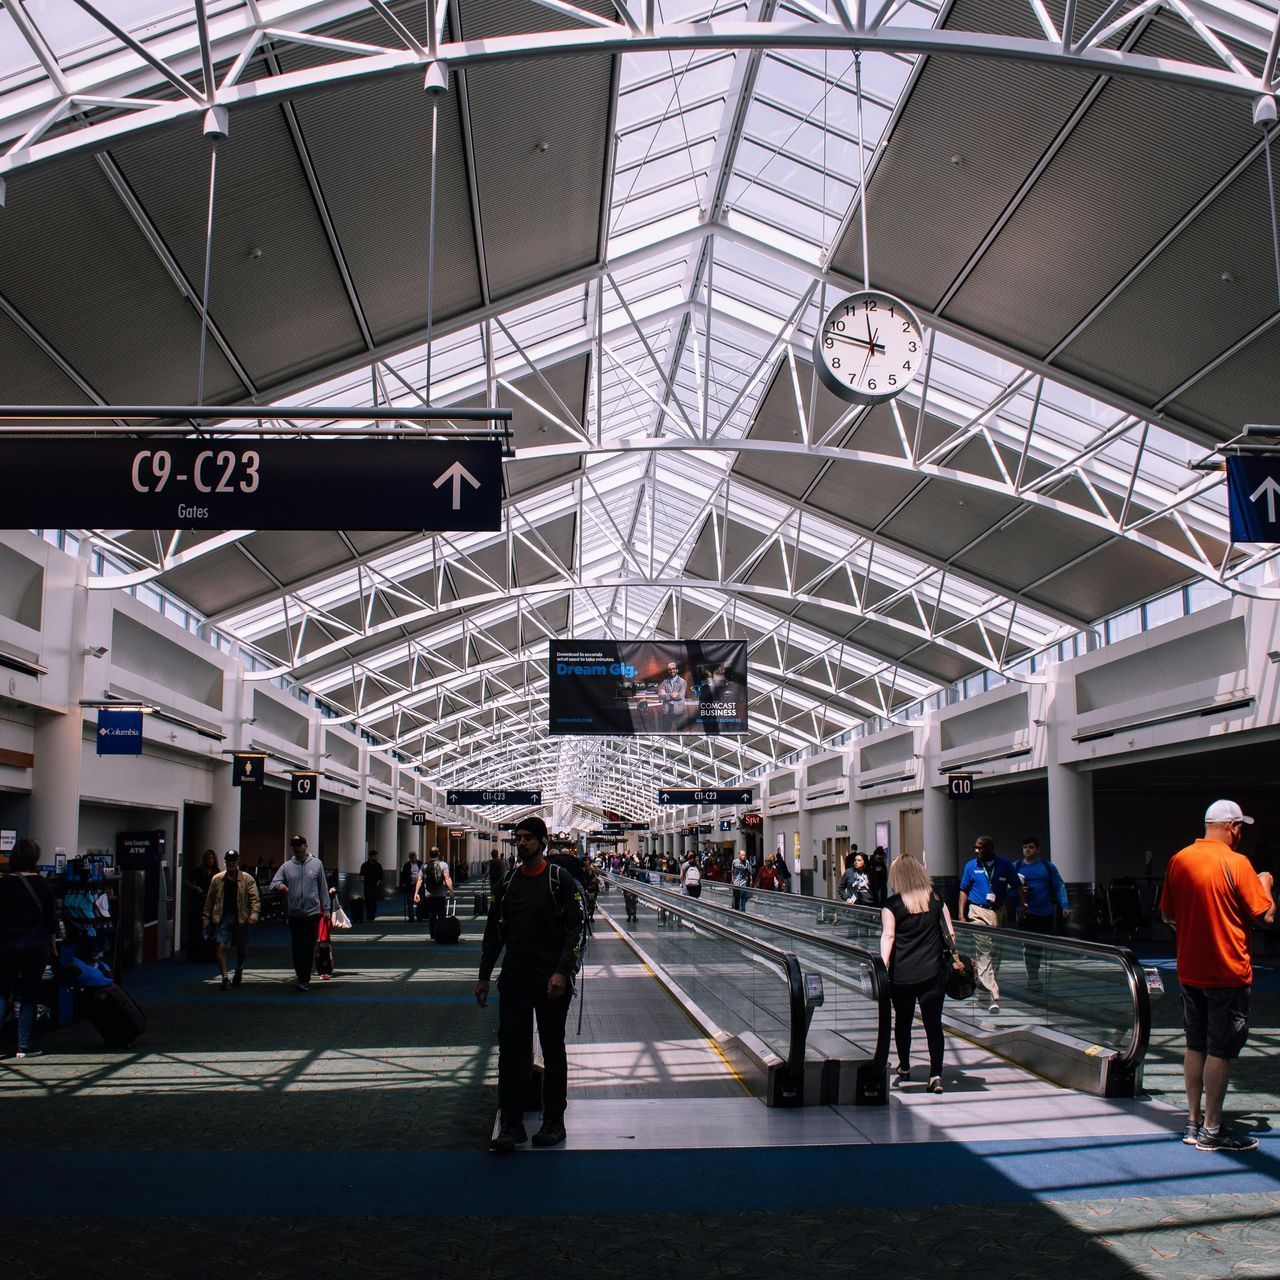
{"x":1071,"y":824}
{"x":222,"y":825}
{"x":941,"y":838}
{"x":55,"y":783}
{"x":386,"y":839}
{"x":352,"y":819}
{"x":302,"y":817}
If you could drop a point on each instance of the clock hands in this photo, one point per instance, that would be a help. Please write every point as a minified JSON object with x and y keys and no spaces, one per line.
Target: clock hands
{"x":858,"y":342}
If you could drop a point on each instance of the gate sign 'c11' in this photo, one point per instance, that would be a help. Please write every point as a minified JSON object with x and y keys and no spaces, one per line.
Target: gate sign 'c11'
{"x":496,"y":796}
{"x":253,"y":484}
{"x":705,"y":795}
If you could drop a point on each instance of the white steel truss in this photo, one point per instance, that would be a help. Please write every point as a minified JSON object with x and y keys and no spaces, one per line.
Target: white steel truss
{"x":727,"y":195}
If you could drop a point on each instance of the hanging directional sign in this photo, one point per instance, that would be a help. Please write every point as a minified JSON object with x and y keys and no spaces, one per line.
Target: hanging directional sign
{"x":248,"y":770}
{"x":119,"y":733}
{"x":253,"y":484}
{"x":705,"y":795}
{"x":473,"y":798}
{"x":1253,"y":498}
{"x":304,"y":786}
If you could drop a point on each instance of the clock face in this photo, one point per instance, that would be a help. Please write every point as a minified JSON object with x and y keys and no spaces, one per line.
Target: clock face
{"x":868,"y":348}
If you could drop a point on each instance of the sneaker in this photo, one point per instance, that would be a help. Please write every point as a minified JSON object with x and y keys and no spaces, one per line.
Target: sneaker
{"x":1225,"y":1140}
{"x":935,"y":1084}
{"x":324,"y":977}
{"x":903,"y":1076}
{"x":303,"y":986}
{"x":550,"y":1135}
{"x":226,"y":984}
{"x":39,"y":1053}
{"x":235,"y":982}
{"x":994,"y":1007}
{"x":510,"y":1135}
{"x":1190,"y":1133}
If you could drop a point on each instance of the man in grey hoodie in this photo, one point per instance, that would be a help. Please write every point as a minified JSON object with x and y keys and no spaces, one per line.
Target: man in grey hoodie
{"x":302,"y":878}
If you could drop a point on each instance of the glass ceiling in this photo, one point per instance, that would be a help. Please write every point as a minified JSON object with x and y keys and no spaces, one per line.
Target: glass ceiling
{"x":734,"y":175}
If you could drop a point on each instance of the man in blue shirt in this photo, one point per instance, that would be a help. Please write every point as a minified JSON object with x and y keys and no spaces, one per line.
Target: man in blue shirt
{"x":1042,"y":891}
{"x":988,"y":887}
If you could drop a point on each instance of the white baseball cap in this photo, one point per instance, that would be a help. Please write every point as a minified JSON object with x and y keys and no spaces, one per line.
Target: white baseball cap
{"x":1224,"y":811}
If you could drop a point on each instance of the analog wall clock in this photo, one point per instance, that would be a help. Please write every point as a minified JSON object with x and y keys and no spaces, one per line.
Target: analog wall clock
{"x":868,"y":348}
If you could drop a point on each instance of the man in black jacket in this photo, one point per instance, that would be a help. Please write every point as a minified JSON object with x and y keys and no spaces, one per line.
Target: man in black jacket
{"x":537,"y":916}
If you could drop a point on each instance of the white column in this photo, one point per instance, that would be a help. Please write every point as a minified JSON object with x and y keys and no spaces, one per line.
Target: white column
{"x":351,"y":835}
{"x":302,"y":817}
{"x":941,"y":840}
{"x":804,"y":825}
{"x":221,"y":829}
{"x":1071,"y":844}
{"x":57,"y":743}
{"x":386,"y":839}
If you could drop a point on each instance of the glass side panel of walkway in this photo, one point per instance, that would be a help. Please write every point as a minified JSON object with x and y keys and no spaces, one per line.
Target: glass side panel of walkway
{"x":1077,"y":1012}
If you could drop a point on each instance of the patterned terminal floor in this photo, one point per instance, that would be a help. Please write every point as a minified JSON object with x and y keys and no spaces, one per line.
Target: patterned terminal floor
{"x":265,"y":1133}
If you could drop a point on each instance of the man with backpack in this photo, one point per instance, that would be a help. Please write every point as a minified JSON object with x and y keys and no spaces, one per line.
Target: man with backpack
{"x":410,"y":879}
{"x":538,"y":916}
{"x":435,"y":886}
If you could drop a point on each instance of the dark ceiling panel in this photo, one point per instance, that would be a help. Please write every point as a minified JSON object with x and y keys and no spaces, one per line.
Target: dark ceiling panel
{"x":1181,"y":313}
{"x":284,"y":311}
{"x":967,"y":138}
{"x":97,"y":292}
{"x":370,"y":143}
{"x":1142,"y":156}
{"x":943,"y":517}
{"x":1131,"y":573}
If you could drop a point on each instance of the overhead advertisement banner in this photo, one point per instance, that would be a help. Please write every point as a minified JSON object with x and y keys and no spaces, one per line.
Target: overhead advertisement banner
{"x":623,"y":688}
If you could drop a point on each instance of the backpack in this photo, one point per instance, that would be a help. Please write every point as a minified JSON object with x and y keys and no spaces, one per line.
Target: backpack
{"x":559,"y":881}
{"x":433,"y":875}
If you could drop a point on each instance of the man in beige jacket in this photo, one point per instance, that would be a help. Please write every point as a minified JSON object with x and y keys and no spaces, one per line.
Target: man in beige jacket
{"x":230,"y":908}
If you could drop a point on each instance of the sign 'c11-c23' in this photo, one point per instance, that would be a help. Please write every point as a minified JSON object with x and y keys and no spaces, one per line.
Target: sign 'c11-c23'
{"x":624,"y":688}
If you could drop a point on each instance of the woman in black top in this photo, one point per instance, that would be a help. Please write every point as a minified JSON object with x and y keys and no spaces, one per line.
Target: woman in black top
{"x":911,"y":945}
{"x":28,"y":926}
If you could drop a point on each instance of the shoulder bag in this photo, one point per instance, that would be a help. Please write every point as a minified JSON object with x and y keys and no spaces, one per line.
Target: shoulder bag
{"x":962,"y":981}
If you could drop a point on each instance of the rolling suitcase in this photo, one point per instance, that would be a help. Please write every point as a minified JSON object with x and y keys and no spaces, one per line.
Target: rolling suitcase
{"x":449,"y":927}
{"x":481,"y":905}
{"x":115,"y":1013}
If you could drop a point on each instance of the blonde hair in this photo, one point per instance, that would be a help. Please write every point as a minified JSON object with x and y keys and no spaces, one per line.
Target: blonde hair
{"x":909,"y":878}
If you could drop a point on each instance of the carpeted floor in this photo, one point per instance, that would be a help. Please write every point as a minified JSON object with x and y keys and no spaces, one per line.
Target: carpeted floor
{"x":266,"y":1133}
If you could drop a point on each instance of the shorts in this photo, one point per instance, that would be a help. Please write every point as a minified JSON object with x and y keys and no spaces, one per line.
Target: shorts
{"x":231,"y":933}
{"x":1216,"y":1019}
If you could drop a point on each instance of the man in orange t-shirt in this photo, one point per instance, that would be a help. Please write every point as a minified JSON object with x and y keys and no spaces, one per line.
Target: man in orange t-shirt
{"x":1212,"y":895}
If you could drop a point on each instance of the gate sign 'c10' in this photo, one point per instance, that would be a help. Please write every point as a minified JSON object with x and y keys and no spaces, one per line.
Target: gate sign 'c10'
{"x":473,"y":798}
{"x":960,"y":785}
{"x":705,"y":795}
{"x":231,"y":483}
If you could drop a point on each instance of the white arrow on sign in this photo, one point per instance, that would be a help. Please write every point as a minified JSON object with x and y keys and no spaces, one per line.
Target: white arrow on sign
{"x":457,"y":473}
{"x":1270,"y":488}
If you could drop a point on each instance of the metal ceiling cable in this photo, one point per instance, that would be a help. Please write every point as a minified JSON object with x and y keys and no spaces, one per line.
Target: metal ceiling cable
{"x":208,"y":270}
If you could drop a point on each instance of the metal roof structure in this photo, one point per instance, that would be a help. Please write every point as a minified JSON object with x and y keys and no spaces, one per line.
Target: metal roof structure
{"x":643,"y":209}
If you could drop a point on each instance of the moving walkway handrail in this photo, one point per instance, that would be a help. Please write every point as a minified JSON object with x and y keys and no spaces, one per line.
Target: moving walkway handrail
{"x":793,"y":1069}
{"x":1129,"y":1057}
{"x":879,"y":975}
